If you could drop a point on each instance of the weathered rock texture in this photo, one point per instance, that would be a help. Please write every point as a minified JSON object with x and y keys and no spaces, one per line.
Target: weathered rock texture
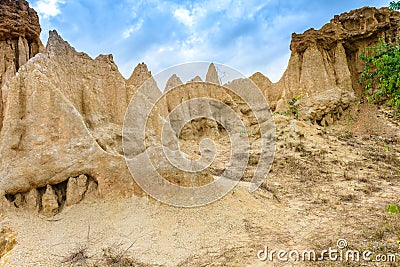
{"x":212,"y":75}
{"x":325,"y":66}
{"x":19,"y":41}
{"x":49,"y":202}
{"x":76,"y":189}
{"x":195,"y":111}
{"x":172,"y":82}
{"x":196,"y":79}
{"x":62,"y":113}
{"x":63,"y":119}
{"x":138,"y":77}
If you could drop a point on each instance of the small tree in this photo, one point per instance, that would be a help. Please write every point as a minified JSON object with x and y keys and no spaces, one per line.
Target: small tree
{"x":394,"y":5}
{"x":381,"y":74}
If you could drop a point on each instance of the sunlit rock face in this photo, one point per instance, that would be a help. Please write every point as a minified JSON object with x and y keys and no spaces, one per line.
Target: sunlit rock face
{"x":325,"y":65}
{"x":19,"y":41}
{"x":63,"y":118}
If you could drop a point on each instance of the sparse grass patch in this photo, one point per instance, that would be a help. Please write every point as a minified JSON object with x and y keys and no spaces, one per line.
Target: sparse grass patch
{"x":116,"y":257}
{"x":77,"y":257}
{"x":111,"y":256}
{"x":348,"y":197}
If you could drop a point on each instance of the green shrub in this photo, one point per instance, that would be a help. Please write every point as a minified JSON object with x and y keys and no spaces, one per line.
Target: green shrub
{"x":393,"y":208}
{"x":381,"y":75}
{"x":293,"y":109}
{"x":394,"y":5}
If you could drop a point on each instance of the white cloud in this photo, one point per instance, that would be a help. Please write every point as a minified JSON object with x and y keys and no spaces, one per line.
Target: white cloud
{"x":183,"y":15}
{"x":214,"y":31}
{"x":190,"y":17}
{"x":134,"y":28}
{"x":48,"y":8}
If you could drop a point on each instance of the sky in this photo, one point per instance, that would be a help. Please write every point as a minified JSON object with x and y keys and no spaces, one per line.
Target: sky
{"x":248,"y":36}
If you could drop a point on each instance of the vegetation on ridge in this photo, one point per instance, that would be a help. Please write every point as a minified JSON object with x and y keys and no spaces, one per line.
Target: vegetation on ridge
{"x":381,"y":74}
{"x":394,"y":5}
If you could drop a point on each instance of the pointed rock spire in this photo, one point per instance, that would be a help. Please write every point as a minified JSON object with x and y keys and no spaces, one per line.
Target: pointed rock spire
{"x":57,"y":45}
{"x":212,"y":75}
{"x":196,"y":79}
{"x":139,"y":76}
{"x":172,"y":82}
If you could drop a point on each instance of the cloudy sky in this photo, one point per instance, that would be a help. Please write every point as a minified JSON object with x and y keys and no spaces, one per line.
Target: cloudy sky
{"x":250,"y":36}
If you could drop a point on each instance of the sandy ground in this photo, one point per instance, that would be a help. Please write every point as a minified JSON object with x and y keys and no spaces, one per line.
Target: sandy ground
{"x":326,"y":184}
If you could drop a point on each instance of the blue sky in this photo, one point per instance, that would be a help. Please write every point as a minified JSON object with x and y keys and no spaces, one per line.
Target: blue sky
{"x":250,"y":36}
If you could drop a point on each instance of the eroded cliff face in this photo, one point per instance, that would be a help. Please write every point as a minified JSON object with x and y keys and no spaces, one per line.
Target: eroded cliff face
{"x":19,"y":41}
{"x":63,"y":120}
{"x":325,"y":67}
{"x":62,"y":114}
{"x":139,"y":75}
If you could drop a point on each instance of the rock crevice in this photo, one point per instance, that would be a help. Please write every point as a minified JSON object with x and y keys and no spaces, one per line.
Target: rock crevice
{"x":51,"y":199}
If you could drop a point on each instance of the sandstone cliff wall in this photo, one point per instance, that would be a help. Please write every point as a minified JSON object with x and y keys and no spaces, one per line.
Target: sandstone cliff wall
{"x":19,"y":41}
{"x":63,"y":119}
{"x":325,"y":66}
{"x":62,"y":113}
